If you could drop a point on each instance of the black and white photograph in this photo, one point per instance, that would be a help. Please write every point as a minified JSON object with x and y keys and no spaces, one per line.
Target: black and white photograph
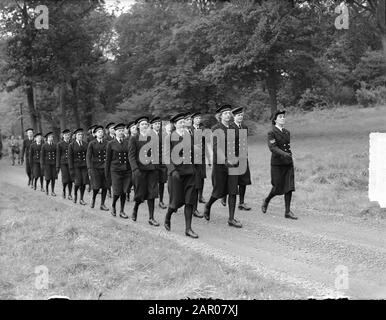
{"x":192,"y":150}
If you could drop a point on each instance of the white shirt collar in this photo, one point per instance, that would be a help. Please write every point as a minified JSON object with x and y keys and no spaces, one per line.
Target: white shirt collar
{"x":281,"y":129}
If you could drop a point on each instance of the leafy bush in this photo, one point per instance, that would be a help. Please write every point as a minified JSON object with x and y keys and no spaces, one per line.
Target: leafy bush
{"x":366,"y":97}
{"x":310,"y":100}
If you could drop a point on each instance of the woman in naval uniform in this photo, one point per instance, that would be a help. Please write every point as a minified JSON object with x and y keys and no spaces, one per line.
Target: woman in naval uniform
{"x":282,"y":167}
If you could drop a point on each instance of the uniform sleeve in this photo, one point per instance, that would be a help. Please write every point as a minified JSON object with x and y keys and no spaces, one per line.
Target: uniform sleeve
{"x":132,"y":154}
{"x":30,"y":154}
{"x":272,"y":145}
{"x":71,"y":156}
{"x":42,"y":155}
{"x":167,"y":155}
{"x":108,"y":160}
{"x":89,"y":156}
{"x":58,"y":155}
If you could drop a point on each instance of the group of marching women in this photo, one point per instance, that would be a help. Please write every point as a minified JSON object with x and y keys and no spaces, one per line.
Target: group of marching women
{"x":115,"y":159}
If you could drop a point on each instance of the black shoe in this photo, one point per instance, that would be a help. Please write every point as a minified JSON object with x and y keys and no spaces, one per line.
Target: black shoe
{"x":223,"y":202}
{"x":197,"y":214}
{"x":162,"y":205}
{"x":123,"y":215}
{"x":75,"y":199}
{"x":134,"y":216}
{"x":201,"y":200}
{"x":114,"y":212}
{"x":290,"y":215}
{"x":243,"y":206}
{"x":191,"y":233}
{"x":82,"y":202}
{"x":206,"y":213}
{"x":104,"y":208}
{"x":53,"y":194}
{"x":153,"y":222}
{"x":42,"y":189}
{"x":167,"y":225}
{"x":64,"y":195}
{"x":92,"y":204}
{"x":264,"y":207}
{"x":47,"y":192}
{"x":69,"y":197}
{"x":234,"y":223}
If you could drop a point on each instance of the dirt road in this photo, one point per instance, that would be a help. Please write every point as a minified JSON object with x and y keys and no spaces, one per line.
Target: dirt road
{"x":314,"y":252}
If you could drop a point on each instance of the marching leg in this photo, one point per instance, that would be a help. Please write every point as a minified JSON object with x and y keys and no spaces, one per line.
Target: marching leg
{"x":104,"y":194}
{"x":115,"y":199}
{"x":152,"y":221}
{"x":188,"y":212}
{"x":232,"y":206}
{"x":288,"y":213}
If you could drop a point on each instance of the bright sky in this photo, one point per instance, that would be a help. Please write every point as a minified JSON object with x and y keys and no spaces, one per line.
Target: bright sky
{"x":124,"y":4}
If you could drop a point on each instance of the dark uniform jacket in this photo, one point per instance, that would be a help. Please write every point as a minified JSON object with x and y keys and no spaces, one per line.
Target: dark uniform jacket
{"x":62,"y":153}
{"x":34,"y":152}
{"x":96,"y":154}
{"x":77,"y":154}
{"x":48,"y":154}
{"x":109,"y":138}
{"x":279,"y":144}
{"x":25,"y":150}
{"x":135,"y":146}
{"x":182,"y":168}
{"x":222,"y":153}
{"x":117,"y":156}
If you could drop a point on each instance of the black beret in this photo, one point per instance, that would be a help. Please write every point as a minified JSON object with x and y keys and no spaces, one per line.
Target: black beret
{"x":78,"y":130}
{"x":274,"y":116}
{"x":97,"y":127}
{"x":110,"y":125}
{"x":92,"y":128}
{"x":119,"y":126}
{"x":29,"y":129}
{"x":142,"y":118}
{"x":47,"y":134}
{"x":155,"y":119}
{"x":177,"y":117}
{"x":225,"y":107}
{"x":66,"y":131}
{"x":130,"y":124}
{"x":37,"y":134}
{"x":196,"y":114}
{"x":238,"y":110}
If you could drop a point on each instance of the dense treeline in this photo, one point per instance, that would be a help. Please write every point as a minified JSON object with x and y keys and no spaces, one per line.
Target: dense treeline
{"x":159,"y":57}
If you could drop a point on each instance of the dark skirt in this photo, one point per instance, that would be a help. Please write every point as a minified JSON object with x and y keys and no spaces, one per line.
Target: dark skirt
{"x":162,"y":174}
{"x":223,"y":183}
{"x":28,"y":167}
{"x":98,"y":179}
{"x":282,"y":179}
{"x":36,"y":171}
{"x":81,"y":176}
{"x":145,"y":185}
{"x":182,"y":191}
{"x":120,"y":182}
{"x":66,"y":175}
{"x":50,"y":172}
{"x":245,"y":178}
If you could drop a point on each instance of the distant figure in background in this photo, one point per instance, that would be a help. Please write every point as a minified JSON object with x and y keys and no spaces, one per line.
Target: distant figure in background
{"x":48,"y":162}
{"x":25,"y":152}
{"x":34,"y":159}
{"x":14,"y":148}
{"x":282,"y":167}
{"x":62,"y":163}
{"x":77,"y":163}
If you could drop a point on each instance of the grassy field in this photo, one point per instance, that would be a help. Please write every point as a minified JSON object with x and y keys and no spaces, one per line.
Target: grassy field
{"x":331,"y":153}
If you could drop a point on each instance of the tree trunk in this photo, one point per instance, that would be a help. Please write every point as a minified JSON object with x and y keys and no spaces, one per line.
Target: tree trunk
{"x":31,"y":107}
{"x":62,"y":107}
{"x":272,"y":84}
{"x":74,"y":86}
